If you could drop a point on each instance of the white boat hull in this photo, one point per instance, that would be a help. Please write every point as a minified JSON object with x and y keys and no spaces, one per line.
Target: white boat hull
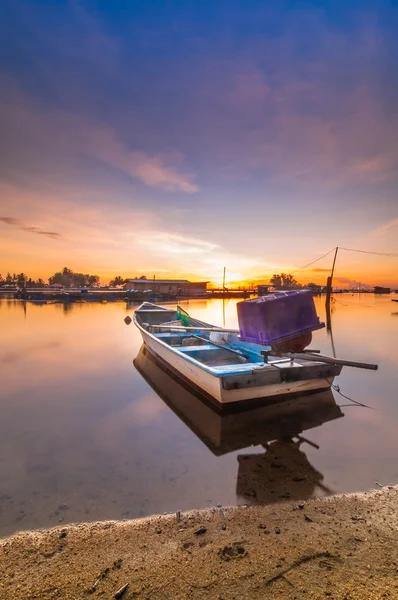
{"x":212,"y":386}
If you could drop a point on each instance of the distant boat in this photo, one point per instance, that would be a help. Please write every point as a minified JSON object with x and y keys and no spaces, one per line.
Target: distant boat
{"x":226,"y":370}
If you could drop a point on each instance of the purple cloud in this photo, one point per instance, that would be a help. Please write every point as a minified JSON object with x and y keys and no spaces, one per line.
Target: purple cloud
{"x":30,"y":229}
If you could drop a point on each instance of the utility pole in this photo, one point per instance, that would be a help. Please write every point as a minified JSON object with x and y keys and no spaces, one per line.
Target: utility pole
{"x":329,"y":283}
{"x":329,"y":288}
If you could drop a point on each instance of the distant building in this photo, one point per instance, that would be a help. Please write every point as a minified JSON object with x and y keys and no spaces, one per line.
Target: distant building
{"x":382,"y":290}
{"x":56,"y":286}
{"x":172,"y":287}
{"x":315,"y":288}
{"x":263,"y":290}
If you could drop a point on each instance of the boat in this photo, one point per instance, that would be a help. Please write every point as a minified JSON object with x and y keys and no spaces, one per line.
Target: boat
{"x":278,"y":468}
{"x":223,"y":433}
{"x":225,"y":369}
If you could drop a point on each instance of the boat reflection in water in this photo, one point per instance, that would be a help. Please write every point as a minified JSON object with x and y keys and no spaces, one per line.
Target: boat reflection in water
{"x":282,"y":469}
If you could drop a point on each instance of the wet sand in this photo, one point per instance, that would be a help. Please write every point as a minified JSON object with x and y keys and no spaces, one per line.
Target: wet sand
{"x":342,"y":547}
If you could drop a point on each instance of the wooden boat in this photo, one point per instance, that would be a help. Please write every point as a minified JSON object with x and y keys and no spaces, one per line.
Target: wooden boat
{"x":224,"y":369}
{"x":228,"y":432}
{"x":279,"y":469}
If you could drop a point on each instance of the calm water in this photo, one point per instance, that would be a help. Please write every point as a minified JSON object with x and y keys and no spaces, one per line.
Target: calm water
{"x":83,"y":436}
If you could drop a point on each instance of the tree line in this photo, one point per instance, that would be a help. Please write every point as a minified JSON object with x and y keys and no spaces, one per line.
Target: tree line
{"x":118,"y":280}
{"x":21,"y":279}
{"x":68,"y":278}
{"x":65,"y":277}
{"x":285,"y":281}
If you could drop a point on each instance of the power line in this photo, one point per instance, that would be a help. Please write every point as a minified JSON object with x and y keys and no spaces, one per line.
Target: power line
{"x":314,"y":261}
{"x":348,"y":250}
{"x":369,"y":252}
{"x":391,"y":254}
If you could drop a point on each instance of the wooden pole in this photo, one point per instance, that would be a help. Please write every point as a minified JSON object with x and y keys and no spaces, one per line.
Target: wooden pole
{"x":329,"y":288}
{"x":328,"y":294}
{"x":330,"y":279}
{"x":334,"y":262}
{"x":192,"y":328}
{"x":330,"y":360}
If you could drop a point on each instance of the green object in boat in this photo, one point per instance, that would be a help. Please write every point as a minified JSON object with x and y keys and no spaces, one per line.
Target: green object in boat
{"x":183,"y":316}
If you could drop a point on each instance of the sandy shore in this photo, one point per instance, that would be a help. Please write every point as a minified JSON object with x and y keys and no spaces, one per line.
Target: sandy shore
{"x":344,"y":547}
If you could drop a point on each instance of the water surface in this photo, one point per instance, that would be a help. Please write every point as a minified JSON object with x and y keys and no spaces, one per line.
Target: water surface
{"x":84,"y":436}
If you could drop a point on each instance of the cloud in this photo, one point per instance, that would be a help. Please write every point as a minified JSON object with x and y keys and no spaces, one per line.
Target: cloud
{"x":154,"y":173}
{"x":385,"y":229}
{"x":319,"y":270}
{"x":277,"y":112}
{"x":151,"y":170}
{"x":202,"y":258}
{"x":64,"y":137}
{"x":296,"y":120}
{"x":308,"y":104}
{"x":351,"y":282}
{"x":30,"y":229}
{"x":11,"y":221}
{"x":170,"y":243}
{"x":250,"y":89}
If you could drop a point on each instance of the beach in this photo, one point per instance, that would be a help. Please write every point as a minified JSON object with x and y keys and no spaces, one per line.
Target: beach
{"x":341,"y":547}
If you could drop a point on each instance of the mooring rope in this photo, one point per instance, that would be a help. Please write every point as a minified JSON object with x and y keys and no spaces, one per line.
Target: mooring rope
{"x":337,"y":389}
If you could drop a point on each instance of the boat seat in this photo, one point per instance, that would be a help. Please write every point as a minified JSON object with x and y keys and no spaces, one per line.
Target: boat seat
{"x":201,"y":348}
{"x":237,"y":368}
{"x":168,"y":334}
{"x":156,"y":317}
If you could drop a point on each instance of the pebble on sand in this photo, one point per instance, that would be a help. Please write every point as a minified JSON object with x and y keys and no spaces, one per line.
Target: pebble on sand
{"x":120,"y":593}
{"x":200,"y":531}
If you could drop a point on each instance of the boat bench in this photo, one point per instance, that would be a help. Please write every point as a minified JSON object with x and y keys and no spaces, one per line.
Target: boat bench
{"x":203,"y":347}
{"x":207,"y":353}
{"x":168,"y":334}
{"x":174,"y":338}
{"x":237,"y":369}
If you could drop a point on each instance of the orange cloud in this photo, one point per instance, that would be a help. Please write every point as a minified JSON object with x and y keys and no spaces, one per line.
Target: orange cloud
{"x":319,"y":270}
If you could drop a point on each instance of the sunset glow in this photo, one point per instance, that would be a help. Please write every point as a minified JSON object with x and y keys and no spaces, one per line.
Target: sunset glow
{"x":180,"y":140}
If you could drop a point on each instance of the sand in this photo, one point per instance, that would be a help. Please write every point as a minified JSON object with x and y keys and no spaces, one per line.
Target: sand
{"x":342,"y":547}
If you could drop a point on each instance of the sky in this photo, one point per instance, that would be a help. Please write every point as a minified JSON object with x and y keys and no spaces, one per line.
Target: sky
{"x":173,"y":138}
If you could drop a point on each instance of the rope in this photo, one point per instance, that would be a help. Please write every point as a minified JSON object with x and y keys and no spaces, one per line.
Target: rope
{"x":360,"y":305}
{"x":339,"y":301}
{"x":336,"y":388}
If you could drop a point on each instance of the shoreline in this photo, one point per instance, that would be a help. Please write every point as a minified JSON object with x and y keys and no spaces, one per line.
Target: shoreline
{"x":343,"y":547}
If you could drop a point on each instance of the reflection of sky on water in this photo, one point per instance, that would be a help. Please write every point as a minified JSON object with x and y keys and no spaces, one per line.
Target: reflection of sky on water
{"x":80,"y":426}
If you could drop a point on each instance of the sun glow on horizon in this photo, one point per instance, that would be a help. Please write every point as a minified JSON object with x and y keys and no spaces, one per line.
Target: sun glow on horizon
{"x":259,"y":159}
